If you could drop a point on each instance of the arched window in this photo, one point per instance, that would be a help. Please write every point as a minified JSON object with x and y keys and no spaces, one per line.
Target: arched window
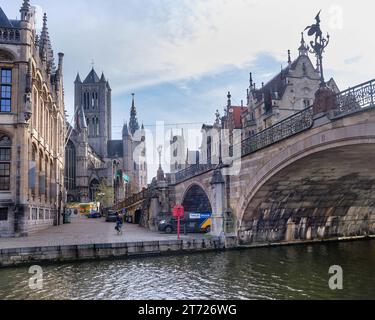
{"x":93,"y":189}
{"x":5,"y":162}
{"x":41,"y":174}
{"x":32,"y":170}
{"x":70,"y":166}
{"x":97,"y":127}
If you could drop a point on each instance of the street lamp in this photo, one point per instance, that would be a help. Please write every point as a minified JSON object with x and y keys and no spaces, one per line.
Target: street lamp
{"x":318,"y":45}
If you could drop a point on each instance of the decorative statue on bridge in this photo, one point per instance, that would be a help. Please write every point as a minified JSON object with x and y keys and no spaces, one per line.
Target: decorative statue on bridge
{"x":318,"y":45}
{"x":325,"y":98}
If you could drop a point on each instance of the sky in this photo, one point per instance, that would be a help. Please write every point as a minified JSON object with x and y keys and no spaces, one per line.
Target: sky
{"x":181,"y":57}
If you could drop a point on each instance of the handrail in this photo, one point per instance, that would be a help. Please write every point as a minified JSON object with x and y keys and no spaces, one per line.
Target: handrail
{"x":355,"y":99}
{"x":286,"y":128}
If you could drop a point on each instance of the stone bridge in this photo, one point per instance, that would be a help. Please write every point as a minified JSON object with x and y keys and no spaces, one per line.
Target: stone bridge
{"x":309,"y":177}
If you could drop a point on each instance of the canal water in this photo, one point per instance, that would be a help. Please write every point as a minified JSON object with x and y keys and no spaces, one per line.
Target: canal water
{"x":300,"y":272}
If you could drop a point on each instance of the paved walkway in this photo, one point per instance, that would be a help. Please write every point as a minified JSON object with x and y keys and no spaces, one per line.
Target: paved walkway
{"x":89,"y":231}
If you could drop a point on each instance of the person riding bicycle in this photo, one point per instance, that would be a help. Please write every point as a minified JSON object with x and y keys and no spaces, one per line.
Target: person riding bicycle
{"x":119,"y":222}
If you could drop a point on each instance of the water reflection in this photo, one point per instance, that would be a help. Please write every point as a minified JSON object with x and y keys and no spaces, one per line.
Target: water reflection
{"x":299,"y":272}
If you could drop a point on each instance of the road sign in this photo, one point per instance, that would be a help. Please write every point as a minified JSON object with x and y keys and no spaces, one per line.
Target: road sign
{"x":178,"y":212}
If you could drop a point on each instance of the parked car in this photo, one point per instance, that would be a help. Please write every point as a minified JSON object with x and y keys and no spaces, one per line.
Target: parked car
{"x":94,"y":215}
{"x":111,"y":216}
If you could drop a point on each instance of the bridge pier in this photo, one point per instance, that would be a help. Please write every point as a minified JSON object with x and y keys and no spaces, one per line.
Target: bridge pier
{"x":218,"y":207}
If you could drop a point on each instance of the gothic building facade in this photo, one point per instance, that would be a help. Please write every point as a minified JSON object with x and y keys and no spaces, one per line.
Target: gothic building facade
{"x":92,"y":156}
{"x":32,"y":126}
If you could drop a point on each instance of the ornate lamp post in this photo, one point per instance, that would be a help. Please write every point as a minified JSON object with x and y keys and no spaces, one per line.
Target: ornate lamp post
{"x":318,"y":45}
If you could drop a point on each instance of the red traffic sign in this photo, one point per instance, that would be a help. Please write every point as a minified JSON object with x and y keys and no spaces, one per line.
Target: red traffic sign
{"x":178,"y":211}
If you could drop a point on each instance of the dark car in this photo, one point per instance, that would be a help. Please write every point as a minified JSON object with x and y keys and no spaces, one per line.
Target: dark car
{"x":111,"y":216}
{"x":94,"y":215}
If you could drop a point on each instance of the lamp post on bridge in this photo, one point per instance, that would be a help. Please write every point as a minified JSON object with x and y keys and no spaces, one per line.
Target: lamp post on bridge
{"x":325,"y":98}
{"x":318,"y":46}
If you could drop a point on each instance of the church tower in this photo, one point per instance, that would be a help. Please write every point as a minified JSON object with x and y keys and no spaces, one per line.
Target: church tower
{"x":94,"y":96}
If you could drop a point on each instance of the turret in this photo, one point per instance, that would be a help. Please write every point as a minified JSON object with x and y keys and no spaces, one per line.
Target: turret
{"x":25,"y":10}
{"x":303,"y":49}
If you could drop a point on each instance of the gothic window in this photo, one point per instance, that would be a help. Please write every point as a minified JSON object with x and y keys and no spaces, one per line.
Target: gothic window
{"x":5,"y":163}
{"x":6,"y":90}
{"x":97,"y":127}
{"x":93,"y":189}
{"x":32,"y":170}
{"x":35,"y":111}
{"x":41,"y":175}
{"x":70,"y":166}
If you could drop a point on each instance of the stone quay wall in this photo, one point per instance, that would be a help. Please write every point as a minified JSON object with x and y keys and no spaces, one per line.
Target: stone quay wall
{"x":71,"y":253}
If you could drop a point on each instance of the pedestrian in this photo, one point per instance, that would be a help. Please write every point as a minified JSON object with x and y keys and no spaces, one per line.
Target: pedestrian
{"x":119,"y":223}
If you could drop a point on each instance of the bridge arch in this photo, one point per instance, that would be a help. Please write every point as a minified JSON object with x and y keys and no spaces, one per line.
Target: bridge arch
{"x":281,"y":202}
{"x":196,"y":199}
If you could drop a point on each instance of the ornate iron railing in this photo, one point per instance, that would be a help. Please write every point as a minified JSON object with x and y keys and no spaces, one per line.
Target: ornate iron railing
{"x":193,"y":171}
{"x":355,"y":99}
{"x":8,"y":34}
{"x":143,"y":195}
{"x":297,"y":123}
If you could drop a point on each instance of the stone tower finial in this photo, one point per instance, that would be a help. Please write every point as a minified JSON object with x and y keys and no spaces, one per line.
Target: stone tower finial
{"x":303,"y":49}
{"x":45,"y":44}
{"x":251,"y":80}
{"x":289,"y":58}
{"x":133,"y":123}
{"x":25,"y":10}
{"x":78,"y":79}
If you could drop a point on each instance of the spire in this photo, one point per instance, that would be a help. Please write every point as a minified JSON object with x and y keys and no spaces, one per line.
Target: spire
{"x":25,"y":10}
{"x":303,"y":49}
{"x":251,"y":80}
{"x":45,"y":45}
{"x":133,"y":123}
{"x":125,"y":131}
{"x":229,"y":96}
{"x":78,"y":79}
{"x":102,"y":78}
{"x":289,"y":58}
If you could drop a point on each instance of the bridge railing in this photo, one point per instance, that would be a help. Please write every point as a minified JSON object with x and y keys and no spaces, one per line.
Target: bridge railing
{"x":355,"y":99}
{"x":193,"y":171}
{"x":286,"y":128}
{"x":144,"y":194}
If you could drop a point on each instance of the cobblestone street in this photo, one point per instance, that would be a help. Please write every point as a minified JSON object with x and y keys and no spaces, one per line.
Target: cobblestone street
{"x":89,"y":231}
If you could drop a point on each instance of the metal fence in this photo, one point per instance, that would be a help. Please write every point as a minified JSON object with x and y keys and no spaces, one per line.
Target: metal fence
{"x":355,"y":99}
{"x":297,"y":123}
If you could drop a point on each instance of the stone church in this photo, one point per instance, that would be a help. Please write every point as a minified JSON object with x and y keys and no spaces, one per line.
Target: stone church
{"x":92,"y":157}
